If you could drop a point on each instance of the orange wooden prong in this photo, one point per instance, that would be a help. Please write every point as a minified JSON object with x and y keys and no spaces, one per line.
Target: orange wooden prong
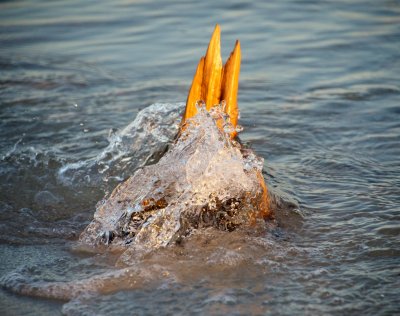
{"x":213,"y":83}
{"x":212,"y":74}
{"x":194,"y":92}
{"x":230,"y":85}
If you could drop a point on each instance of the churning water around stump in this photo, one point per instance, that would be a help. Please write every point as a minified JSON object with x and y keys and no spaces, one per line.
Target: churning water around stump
{"x":320,"y":102}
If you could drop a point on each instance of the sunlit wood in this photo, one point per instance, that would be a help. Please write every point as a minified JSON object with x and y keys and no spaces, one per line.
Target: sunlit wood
{"x":194,"y":92}
{"x":213,"y":83}
{"x":212,"y":74}
{"x":230,"y":84}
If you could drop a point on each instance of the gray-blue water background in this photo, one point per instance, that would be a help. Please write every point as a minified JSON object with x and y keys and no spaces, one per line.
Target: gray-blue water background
{"x":320,"y":101}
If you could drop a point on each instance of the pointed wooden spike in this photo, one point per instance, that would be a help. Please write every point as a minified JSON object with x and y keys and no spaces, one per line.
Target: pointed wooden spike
{"x":212,"y":75}
{"x":230,"y":84}
{"x":194,"y":92}
{"x":213,"y":83}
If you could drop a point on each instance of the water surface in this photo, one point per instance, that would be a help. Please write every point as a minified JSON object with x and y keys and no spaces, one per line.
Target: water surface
{"x":320,"y":102}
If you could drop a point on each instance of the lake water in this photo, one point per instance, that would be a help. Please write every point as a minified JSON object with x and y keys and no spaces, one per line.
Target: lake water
{"x":320,"y":102}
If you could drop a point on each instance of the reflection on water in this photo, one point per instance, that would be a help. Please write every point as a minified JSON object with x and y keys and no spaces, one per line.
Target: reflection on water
{"x":319,"y":96}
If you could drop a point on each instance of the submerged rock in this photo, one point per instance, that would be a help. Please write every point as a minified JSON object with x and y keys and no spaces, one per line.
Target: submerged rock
{"x":206,"y":179}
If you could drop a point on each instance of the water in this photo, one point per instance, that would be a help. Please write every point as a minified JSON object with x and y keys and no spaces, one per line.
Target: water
{"x":205,"y":179}
{"x":319,"y":98}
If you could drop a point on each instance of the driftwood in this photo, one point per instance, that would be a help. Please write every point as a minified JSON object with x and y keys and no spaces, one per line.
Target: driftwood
{"x":207,"y":178}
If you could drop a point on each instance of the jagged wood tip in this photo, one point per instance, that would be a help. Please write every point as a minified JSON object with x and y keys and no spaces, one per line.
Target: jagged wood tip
{"x":213,"y":82}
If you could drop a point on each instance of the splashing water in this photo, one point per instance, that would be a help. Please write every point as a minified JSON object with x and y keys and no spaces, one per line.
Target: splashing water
{"x":205,"y":179}
{"x":141,"y":142}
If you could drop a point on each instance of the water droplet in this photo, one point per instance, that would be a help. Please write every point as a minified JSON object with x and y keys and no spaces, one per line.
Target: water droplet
{"x":112,"y":132}
{"x":228,"y":128}
{"x":214,"y":112}
{"x":239,"y":128}
{"x":235,"y":143}
{"x":200,"y":105}
{"x":223,"y":105}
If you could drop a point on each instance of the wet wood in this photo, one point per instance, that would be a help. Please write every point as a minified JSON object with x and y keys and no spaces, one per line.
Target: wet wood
{"x":212,"y":74}
{"x":230,"y":84}
{"x":194,"y":92}
{"x":213,"y":82}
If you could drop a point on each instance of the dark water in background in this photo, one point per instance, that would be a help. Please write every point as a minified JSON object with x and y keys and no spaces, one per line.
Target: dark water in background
{"x":320,"y":101}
